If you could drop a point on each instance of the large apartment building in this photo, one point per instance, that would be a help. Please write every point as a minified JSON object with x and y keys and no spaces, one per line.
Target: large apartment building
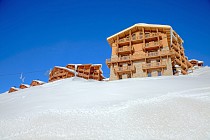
{"x":146,"y":50}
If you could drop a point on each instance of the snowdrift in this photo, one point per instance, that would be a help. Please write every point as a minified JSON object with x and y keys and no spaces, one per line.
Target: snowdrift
{"x":170,"y":107}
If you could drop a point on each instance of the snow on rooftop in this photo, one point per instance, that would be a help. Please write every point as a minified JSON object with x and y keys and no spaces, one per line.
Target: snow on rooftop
{"x":41,"y":82}
{"x":143,"y":25}
{"x":14,"y":88}
{"x":167,"y":107}
{"x":26,"y":85}
{"x":70,"y":70}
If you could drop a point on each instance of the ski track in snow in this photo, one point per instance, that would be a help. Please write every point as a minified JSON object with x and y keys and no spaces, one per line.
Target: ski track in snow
{"x":179,"y":113}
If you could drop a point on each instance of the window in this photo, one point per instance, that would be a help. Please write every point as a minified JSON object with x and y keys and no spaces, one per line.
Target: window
{"x":129,"y":76}
{"x":120,"y":76}
{"x":149,"y":74}
{"x":159,"y":73}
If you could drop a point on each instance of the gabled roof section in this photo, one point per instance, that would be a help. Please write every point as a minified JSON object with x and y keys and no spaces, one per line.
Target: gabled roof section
{"x":166,"y":28}
{"x":67,"y":69}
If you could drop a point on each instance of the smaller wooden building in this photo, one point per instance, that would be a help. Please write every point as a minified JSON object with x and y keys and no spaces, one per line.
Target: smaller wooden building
{"x":196,"y":63}
{"x":86,"y":71}
{"x":13,"y":89}
{"x":23,"y":86}
{"x":61,"y":73}
{"x":36,"y":83}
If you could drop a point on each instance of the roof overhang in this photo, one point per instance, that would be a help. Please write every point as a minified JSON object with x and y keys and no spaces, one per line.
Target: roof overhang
{"x":165,"y":28}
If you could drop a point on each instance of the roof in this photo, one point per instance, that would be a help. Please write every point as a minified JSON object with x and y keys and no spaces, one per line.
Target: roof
{"x":70,"y":70}
{"x":41,"y":82}
{"x":74,"y":64}
{"x":14,"y":88}
{"x":193,"y":60}
{"x":25,"y":85}
{"x":167,"y":28}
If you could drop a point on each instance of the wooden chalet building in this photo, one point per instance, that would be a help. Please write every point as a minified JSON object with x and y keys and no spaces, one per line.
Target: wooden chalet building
{"x":196,"y":63}
{"x":146,"y":50}
{"x":86,"y":71}
{"x":60,"y":73}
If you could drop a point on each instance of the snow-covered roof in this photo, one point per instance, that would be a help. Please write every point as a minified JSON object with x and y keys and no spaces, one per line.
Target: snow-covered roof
{"x":70,"y":70}
{"x":196,"y":60}
{"x":25,"y":85}
{"x":96,"y":64}
{"x":41,"y":82}
{"x":140,"y":25}
{"x":14,"y":88}
{"x":193,"y":60}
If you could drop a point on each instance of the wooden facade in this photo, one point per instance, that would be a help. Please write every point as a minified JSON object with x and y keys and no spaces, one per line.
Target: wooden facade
{"x":60,"y":73}
{"x":89,"y":71}
{"x":86,"y":71}
{"x":145,"y":50}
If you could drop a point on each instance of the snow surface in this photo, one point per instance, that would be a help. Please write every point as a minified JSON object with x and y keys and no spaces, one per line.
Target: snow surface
{"x":170,"y":107}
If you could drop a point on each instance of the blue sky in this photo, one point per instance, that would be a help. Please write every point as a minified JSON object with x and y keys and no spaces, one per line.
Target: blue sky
{"x":36,"y":35}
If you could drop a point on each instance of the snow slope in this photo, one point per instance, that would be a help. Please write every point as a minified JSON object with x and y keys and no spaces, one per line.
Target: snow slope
{"x":170,"y":107}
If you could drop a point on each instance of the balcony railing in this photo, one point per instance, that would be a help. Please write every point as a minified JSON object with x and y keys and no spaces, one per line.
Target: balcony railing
{"x":175,"y":47}
{"x":134,"y":38}
{"x":122,"y":40}
{"x":125,"y":69}
{"x":154,"y":65}
{"x":139,"y":57}
{"x":178,"y":61}
{"x":184,"y":71}
{"x":151,"y":35}
{"x":152,"y":45}
{"x":177,"y":54}
{"x":80,"y":74}
{"x":87,"y":70}
{"x":124,"y":49}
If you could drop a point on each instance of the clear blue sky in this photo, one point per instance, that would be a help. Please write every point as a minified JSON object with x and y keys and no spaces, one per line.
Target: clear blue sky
{"x":36,"y":35}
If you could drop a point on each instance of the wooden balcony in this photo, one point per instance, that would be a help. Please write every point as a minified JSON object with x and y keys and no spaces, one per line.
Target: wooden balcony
{"x":80,"y":74}
{"x":86,"y":76}
{"x":59,"y":74}
{"x":184,"y":71}
{"x":137,"y":38}
{"x":124,"y":49}
{"x":124,"y":40}
{"x":178,"y":62}
{"x":183,"y":65}
{"x":87,"y":71}
{"x":177,"y":54}
{"x":152,"y":45}
{"x":139,"y":57}
{"x":175,"y":47}
{"x":80,"y":69}
{"x":154,"y":65}
{"x":158,"y":53}
{"x":124,"y":69}
{"x":151,"y":35}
